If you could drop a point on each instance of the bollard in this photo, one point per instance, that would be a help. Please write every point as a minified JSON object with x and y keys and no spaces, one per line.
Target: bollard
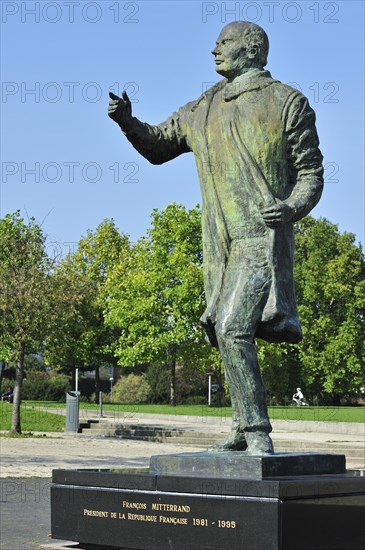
{"x":100,"y":404}
{"x":72,"y":411}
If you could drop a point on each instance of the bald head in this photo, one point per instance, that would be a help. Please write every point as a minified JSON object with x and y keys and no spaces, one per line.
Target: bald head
{"x":252,"y":35}
{"x":241,"y":45}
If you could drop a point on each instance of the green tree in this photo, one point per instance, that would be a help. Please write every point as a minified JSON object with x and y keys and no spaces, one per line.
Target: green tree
{"x":26,"y":296}
{"x":157,"y":297}
{"x":63,"y":346}
{"x":330,"y":287}
{"x":81,"y":337}
{"x":330,"y":279}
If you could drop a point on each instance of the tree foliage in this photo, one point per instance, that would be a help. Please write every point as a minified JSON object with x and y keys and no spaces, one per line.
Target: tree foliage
{"x":330,"y":287}
{"x":157,"y":298}
{"x":132,"y":389}
{"x":27,"y":296}
{"x":112,"y":303}
{"x":330,"y":278}
{"x":81,"y":338}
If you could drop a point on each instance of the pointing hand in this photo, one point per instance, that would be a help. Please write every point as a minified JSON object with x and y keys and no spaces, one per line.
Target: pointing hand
{"x":120,"y":109}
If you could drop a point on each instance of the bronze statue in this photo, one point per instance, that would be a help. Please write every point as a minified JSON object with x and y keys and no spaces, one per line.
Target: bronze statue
{"x":260,"y":169}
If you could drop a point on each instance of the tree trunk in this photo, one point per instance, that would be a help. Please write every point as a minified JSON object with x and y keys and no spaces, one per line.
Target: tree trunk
{"x":336,"y":399}
{"x":2,"y":368}
{"x":171,"y":361}
{"x":19,"y":374}
{"x":97,"y":384}
{"x":73,"y":377}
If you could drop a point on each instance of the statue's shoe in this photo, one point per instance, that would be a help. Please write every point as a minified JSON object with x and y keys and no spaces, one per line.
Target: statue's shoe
{"x":236,"y":441}
{"x":259,"y":444}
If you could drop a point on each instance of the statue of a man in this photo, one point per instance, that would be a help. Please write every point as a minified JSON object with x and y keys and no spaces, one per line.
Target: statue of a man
{"x":260,"y":169}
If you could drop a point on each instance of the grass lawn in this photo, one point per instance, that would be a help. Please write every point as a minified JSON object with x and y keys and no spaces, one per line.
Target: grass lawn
{"x":318,"y":414}
{"x":292,"y":413}
{"x":35,"y":419}
{"x":32,"y":420}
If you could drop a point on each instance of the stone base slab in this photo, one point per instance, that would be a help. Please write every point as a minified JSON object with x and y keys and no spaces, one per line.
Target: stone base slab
{"x":237,"y":465}
{"x":104,"y":510}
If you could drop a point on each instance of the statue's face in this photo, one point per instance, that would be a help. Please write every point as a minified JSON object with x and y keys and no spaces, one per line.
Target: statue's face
{"x":232,"y":55}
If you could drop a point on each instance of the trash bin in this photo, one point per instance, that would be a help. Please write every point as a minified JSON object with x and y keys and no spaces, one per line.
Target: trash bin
{"x":72,"y":411}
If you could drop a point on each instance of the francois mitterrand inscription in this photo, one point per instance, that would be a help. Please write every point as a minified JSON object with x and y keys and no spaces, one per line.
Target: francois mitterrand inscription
{"x":256,"y":149}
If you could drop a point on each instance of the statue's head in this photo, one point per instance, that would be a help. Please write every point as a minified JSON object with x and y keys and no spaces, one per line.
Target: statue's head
{"x":240,"y":46}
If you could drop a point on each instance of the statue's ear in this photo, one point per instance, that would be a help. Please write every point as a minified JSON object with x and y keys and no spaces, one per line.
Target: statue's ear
{"x":253,"y":51}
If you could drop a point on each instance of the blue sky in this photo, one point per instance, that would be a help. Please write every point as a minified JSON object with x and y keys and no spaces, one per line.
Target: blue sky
{"x":67,"y":164}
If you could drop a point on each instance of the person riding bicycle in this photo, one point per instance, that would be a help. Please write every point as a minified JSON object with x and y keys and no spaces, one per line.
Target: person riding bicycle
{"x":298,"y":397}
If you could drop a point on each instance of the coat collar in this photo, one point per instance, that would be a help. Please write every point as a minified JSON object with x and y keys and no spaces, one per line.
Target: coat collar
{"x":254,"y":79}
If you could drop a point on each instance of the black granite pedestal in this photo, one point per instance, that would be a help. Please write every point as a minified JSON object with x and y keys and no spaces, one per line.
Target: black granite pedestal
{"x":189,"y":502}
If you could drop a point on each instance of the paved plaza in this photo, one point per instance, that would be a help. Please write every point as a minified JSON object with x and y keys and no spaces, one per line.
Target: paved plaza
{"x":27,"y":464}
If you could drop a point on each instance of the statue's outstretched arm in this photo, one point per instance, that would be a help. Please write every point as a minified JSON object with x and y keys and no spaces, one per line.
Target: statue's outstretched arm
{"x":158,"y":144}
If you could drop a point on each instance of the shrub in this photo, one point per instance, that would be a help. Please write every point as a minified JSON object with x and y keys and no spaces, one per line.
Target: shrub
{"x":158,"y":377}
{"x":39,"y":386}
{"x":83,"y":399}
{"x":195,"y":400}
{"x":191,"y":386}
{"x":131,"y":389}
{"x":96,"y":399}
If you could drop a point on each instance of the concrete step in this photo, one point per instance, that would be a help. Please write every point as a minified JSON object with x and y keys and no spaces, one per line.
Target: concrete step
{"x":208,"y":440}
{"x":175,"y":439}
{"x":87,"y":424}
{"x":354,"y":457}
{"x":303,"y":445}
{"x":357,"y":454}
{"x":145,"y":429}
{"x":354,"y":451}
{"x":355,"y":465}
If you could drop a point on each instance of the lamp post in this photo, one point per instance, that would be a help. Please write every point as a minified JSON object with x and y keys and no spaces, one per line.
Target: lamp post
{"x":111,"y":380}
{"x":210,"y":374}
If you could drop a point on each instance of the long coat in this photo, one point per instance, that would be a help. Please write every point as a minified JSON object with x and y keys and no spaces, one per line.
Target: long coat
{"x":254,"y":142}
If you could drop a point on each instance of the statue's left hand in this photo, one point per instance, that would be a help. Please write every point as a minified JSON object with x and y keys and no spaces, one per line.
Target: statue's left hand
{"x":277,"y":214}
